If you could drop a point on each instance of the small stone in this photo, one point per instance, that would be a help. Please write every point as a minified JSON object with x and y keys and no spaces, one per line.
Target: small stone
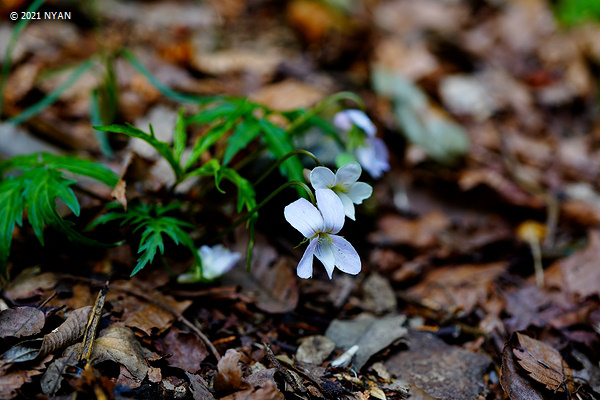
{"x":315,"y":349}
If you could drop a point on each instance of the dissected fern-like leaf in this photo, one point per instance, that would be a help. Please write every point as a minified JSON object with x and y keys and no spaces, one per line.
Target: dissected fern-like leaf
{"x":154,"y":225}
{"x":36,"y":182}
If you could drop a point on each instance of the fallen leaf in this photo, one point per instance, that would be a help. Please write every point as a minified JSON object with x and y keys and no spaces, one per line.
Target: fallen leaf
{"x":21,"y":321}
{"x":186,"y":349}
{"x":460,"y":287}
{"x":421,"y":232}
{"x":268,"y":391}
{"x":314,"y":349}
{"x":29,"y":283}
{"x":229,"y":376}
{"x":544,"y":364}
{"x":516,"y":386}
{"x":199,"y":387}
{"x":580,"y":270}
{"x":288,"y":95}
{"x":271,"y":281}
{"x":149,"y":317}
{"x":370,"y":334}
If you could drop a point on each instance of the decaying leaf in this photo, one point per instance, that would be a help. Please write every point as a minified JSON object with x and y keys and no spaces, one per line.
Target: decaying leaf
{"x":370,"y":334}
{"x":314,"y":349}
{"x":544,"y":364}
{"x":516,"y":386}
{"x":459,"y":287}
{"x":116,"y":344}
{"x":580,"y":270}
{"x":21,"y":321}
{"x":151,"y":318}
{"x":29,"y":283}
{"x":272,"y":281}
{"x":229,"y":375}
{"x":67,"y":333}
{"x":186,"y":349}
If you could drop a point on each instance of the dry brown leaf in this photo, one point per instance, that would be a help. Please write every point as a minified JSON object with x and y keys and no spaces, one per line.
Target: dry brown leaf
{"x":580,"y":270}
{"x":288,"y":95}
{"x":186,"y":349}
{"x":21,"y":321}
{"x":544,"y":364}
{"x":229,"y":376}
{"x":68,"y":332}
{"x":421,"y":232}
{"x":149,"y":317}
{"x":268,"y":391}
{"x":459,"y":287}
{"x":514,"y":384}
{"x":120,"y":345}
{"x":29,"y":283}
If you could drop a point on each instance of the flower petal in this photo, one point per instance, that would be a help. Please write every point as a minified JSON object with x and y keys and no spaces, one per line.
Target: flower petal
{"x":342,"y":121}
{"x":361,"y":120}
{"x":346,"y":258}
{"x":373,"y":156}
{"x":322,"y":178}
{"x":348,"y":174}
{"x":305,"y":266}
{"x":359,"y":192}
{"x":331,"y":208}
{"x":304,"y":217}
{"x":348,"y":205}
{"x":325,"y":253}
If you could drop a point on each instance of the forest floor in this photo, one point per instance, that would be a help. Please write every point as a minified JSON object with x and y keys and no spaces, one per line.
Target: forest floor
{"x":489,"y":110}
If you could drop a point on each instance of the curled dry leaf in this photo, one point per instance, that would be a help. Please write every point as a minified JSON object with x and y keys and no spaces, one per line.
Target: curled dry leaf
{"x":68,"y":332}
{"x":544,"y":364}
{"x":29,"y":283}
{"x":21,"y":321}
{"x":229,"y":377}
{"x":516,"y":386}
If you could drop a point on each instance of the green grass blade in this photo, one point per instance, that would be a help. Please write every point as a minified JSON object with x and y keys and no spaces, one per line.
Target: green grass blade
{"x":167,"y":91}
{"x":96,"y":119}
{"x":13,"y":39}
{"x":52,"y":96}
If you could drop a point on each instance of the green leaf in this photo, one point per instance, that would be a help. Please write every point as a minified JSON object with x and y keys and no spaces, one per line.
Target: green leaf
{"x":211,"y":115}
{"x":39,"y":185}
{"x":163,"y":148}
{"x":205,"y":141}
{"x":279,"y":145}
{"x":11,"y":210}
{"x":52,"y":96}
{"x":154,"y":225}
{"x":167,"y":91}
{"x":245,"y":132}
{"x":180,"y":139}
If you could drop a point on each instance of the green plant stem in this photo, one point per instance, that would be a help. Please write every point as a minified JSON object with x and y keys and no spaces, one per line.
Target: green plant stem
{"x":322,"y":105}
{"x":282,"y":159}
{"x":250,"y":213}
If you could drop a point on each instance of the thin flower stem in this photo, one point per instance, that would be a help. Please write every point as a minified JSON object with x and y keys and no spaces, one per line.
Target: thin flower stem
{"x":282,"y":159}
{"x":250,"y":213}
{"x":322,"y":105}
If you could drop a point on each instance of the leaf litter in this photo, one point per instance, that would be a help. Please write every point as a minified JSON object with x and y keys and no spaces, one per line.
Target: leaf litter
{"x":494,"y":120}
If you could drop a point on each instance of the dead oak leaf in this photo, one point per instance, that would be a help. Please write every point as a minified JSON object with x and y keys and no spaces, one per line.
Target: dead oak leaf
{"x":544,"y":364}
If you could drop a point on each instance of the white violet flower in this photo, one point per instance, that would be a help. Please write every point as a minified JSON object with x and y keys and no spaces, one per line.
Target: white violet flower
{"x":345,"y":119}
{"x":320,"y":225}
{"x":216,"y":261}
{"x":344,"y":184}
{"x":373,"y":156}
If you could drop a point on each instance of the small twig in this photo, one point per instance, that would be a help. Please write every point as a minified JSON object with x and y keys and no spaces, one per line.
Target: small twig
{"x":162,"y":305}
{"x":287,"y":375}
{"x":92,"y":326}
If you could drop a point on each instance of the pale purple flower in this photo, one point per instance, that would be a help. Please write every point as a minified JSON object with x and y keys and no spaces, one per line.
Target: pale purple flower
{"x":344,"y":184}
{"x":344,"y":120}
{"x":319,"y":226}
{"x":373,"y":156}
{"x":216,"y":261}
